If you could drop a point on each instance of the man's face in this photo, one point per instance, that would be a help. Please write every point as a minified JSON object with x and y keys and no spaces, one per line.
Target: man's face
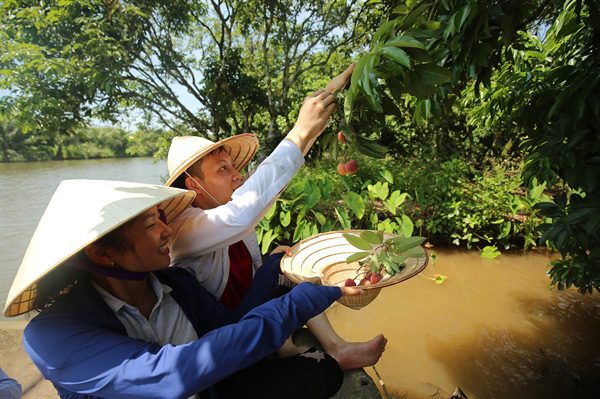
{"x":221,"y":179}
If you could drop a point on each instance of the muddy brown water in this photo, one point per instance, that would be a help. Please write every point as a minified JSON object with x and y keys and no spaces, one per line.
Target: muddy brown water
{"x":494,"y":329}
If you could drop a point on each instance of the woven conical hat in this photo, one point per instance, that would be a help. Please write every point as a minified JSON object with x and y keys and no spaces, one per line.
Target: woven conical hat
{"x":324,"y":256}
{"x":80,"y":212}
{"x":186,"y":150}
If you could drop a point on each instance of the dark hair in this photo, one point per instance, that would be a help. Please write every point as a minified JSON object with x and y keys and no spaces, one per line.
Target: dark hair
{"x":195,"y":169}
{"x":59,"y":283}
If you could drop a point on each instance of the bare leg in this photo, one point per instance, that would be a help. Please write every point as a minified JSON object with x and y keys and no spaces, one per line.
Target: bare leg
{"x":349,"y":355}
{"x":289,"y":349}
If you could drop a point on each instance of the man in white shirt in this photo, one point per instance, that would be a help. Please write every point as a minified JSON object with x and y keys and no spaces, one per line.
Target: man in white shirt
{"x":214,"y":238}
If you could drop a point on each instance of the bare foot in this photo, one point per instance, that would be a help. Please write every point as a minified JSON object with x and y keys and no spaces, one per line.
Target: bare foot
{"x":353,"y":355}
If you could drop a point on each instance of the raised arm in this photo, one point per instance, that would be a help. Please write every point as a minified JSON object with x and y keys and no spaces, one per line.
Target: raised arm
{"x":315,"y":112}
{"x":197,"y":232}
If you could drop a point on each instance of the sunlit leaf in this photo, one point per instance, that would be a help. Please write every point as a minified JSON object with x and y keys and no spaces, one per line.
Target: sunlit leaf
{"x":357,"y":242}
{"x":285,"y":218}
{"x":370,"y":237}
{"x":490,"y":252}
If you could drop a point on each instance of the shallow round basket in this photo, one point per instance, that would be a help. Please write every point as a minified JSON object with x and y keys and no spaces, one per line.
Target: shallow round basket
{"x":324,"y":256}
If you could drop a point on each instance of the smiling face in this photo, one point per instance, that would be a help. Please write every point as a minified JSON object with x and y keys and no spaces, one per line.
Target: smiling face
{"x":219,"y":178}
{"x":148,"y":250}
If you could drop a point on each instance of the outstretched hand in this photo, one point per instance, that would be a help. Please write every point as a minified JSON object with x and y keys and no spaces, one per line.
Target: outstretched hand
{"x":340,"y":81}
{"x":352,"y":291}
{"x":315,"y":112}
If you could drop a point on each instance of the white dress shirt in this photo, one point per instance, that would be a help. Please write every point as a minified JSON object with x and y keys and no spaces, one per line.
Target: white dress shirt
{"x":201,"y":238}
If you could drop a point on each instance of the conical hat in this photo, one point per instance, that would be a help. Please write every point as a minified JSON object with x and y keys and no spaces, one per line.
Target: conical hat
{"x":323,"y":256}
{"x":186,"y":150}
{"x":80,"y":212}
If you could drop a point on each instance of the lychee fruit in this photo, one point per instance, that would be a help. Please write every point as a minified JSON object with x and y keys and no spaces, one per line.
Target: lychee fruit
{"x":375,"y":278}
{"x":349,"y":283}
{"x":351,"y":167}
{"x":341,"y":168}
{"x":341,"y":137}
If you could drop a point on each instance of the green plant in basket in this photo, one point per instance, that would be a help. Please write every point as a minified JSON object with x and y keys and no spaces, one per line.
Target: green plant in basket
{"x":384,"y":257}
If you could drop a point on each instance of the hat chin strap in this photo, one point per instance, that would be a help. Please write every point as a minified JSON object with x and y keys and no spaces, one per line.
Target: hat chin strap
{"x":203,"y":189}
{"x":121,"y":274}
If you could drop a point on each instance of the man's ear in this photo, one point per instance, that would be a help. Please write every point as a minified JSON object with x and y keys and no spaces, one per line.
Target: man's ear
{"x":190,"y":184}
{"x":99,"y":255}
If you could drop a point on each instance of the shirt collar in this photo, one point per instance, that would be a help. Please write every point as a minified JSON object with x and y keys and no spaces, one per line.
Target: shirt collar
{"x":117,"y":304}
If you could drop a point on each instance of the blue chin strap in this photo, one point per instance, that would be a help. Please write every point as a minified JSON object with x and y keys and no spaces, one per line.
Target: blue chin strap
{"x":88,"y":266}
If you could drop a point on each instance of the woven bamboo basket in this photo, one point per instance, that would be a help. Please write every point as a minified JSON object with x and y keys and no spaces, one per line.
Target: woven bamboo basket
{"x":323,"y":257}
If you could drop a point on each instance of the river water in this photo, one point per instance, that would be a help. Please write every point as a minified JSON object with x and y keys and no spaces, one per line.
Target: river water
{"x":494,"y":329}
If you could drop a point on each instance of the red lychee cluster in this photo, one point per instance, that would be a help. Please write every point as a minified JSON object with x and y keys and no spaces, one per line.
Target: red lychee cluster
{"x":347,"y":168}
{"x":371,"y":278}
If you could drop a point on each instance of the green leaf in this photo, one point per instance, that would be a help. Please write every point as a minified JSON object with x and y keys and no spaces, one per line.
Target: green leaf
{"x":298,"y":231}
{"x":285,"y":218}
{"x":432,"y":74}
{"x":357,"y":242}
{"x":312,"y":194}
{"x":383,"y":30}
{"x":375,"y":267}
{"x":371,"y":237}
{"x":397,"y":259}
{"x":325,"y":188}
{"x":357,"y":256}
{"x":405,"y":41}
{"x":387,"y":175}
{"x":414,"y":252}
{"x":593,"y":224}
{"x":349,"y":104}
{"x":320,"y":218}
{"x":577,"y":216}
{"x":407,"y":226}
{"x":416,"y":87}
{"x":358,"y":71}
{"x":343,"y":218}
{"x":271,"y":212}
{"x":490,"y":252}
{"x":267,"y":239}
{"x":356,"y":203}
{"x":403,"y":244}
{"x":396,"y":54}
{"x":395,"y":267}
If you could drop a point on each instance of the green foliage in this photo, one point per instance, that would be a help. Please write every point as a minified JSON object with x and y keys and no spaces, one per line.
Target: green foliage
{"x":387,"y":254}
{"x":444,"y":201}
{"x":82,"y":143}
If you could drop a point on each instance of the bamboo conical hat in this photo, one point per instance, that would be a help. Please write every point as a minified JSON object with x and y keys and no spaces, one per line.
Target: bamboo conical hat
{"x":324,"y":256}
{"x":186,"y":150}
{"x":79,"y":213}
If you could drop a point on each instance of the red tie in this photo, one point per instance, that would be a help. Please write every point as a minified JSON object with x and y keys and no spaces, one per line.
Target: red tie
{"x":240,"y":275}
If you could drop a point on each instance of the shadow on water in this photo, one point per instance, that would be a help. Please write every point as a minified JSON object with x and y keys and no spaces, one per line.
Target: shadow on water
{"x":558,"y":357}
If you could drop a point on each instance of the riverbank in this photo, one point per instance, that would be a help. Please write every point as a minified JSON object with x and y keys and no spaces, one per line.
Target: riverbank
{"x":18,"y":365}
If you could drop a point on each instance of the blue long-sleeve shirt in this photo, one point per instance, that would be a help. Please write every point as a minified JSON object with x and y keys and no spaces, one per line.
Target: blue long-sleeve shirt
{"x":82,"y":347}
